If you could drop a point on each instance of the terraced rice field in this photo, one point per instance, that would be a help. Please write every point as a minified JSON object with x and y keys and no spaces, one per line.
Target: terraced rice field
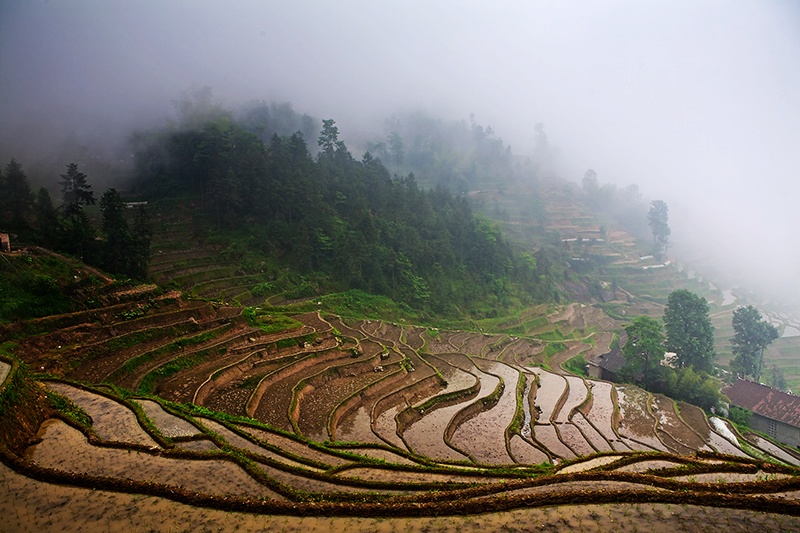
{"x":191,"y":404}
{"x":251,"y":467}
{"x":450,"y":398}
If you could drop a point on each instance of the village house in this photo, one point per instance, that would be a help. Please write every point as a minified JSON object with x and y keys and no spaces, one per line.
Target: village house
{"x":775,"y":413}
{"x":606,"y":366}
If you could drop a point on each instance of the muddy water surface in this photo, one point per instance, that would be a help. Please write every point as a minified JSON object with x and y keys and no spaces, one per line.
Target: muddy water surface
{"x":547,"y":436}
{"x":643,"y":466}
{"x":483,"y":437}
{"x":672,"y":424}
{"x":355,"y":427}
{"x":240,"y":442}
{"x":577,"y":395}
{"x":591,"y":434}
{"x":168,"y":424}
{"x":583,"y":466}
{"x":572,"y":437}
{"x":110,"y":419}
{"x":318,"y":403}
{"x":636,"y":423}
{"x":551,"y":388}
{"x":601,"y":414}
{"x":65,"y":448}
{"x":524,"y":452}
{"x":426,"y":436}
{"x":198,"y":445}
{"x":723,"y":445}
{"x":295,"y":447}
{"x":385,"y":427}
{"x":774,"y":450}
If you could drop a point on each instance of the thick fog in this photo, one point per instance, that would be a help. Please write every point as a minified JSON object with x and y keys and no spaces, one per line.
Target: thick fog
{"x":696,"y":102}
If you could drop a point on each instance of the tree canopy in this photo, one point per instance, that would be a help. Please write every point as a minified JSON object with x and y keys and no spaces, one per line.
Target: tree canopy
{"x":124,"y":252}
{"x":644,"y":348}
{"x":690,"y":333}
{"x":69,"y":229}
{"x":75,"y":191}
{"x":16,"y":198}
{"x":751,"y":336}
{"x":347,"y":223}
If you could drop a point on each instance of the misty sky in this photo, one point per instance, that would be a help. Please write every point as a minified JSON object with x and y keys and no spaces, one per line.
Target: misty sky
{"x":698,"y":102}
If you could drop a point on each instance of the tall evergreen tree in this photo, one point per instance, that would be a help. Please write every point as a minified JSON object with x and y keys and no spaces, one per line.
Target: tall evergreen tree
{"x":644,"y":349}
{"x":328,"y":141}
{"x":751,"y":336}
{"x":690,"y":333}
{"x":17,"y":197}
{"x":46,"y":219}
{"x":118,"y":245}
{"x":75,"y":191}
{"x":75,"y":194}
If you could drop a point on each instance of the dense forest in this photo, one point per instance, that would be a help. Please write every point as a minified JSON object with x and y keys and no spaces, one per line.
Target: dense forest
{"x":337,"y":221}
{"x":346,"y":223}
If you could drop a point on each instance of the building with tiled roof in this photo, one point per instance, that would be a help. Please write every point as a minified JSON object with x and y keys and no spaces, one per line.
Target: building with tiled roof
{"x":775,"y":412}
{"x":607,"y":366}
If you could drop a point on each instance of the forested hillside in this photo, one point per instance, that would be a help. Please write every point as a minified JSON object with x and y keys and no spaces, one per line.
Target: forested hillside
{"x":342,"y":222}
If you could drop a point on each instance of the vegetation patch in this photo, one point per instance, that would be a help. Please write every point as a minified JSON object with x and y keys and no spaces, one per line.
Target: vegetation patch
{"x":576,"y":365}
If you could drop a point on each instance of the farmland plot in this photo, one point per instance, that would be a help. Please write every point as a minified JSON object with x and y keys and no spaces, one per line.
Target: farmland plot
{"x":426,"y":436}
{"x":524,"y":452}
{"x":547,"y":436}
{"x":577,"y":395}
{"x":685,"y":439}
{"x":551,"y":389}
{"x":65,"y":448}
{"x":317,"y":398}
{"x":319,"y":381}
{"x":482,"y":437}
{"x":590,"y":433}
{"x":110,"y":420}
{"x":636,"y":422}
{"x":169,"y":425}
{"x":574,"y":439}
{"x":601,"y":413}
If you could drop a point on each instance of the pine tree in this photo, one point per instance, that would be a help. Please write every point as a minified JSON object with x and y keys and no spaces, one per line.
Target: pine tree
{"x":75,"y":194}
{"x":75,"y":191}
{"x":16,"y":196}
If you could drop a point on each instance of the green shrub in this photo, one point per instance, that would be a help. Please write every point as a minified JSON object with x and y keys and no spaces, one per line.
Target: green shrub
{"x":263,"y":289}
{"x":577,"y":365}
{"x":740,"y":416}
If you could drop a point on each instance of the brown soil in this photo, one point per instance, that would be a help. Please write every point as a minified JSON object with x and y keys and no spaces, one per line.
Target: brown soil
{"x":47,"y":507}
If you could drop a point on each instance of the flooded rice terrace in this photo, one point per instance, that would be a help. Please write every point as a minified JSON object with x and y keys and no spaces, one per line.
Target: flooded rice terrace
{"x":412,"y":431}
